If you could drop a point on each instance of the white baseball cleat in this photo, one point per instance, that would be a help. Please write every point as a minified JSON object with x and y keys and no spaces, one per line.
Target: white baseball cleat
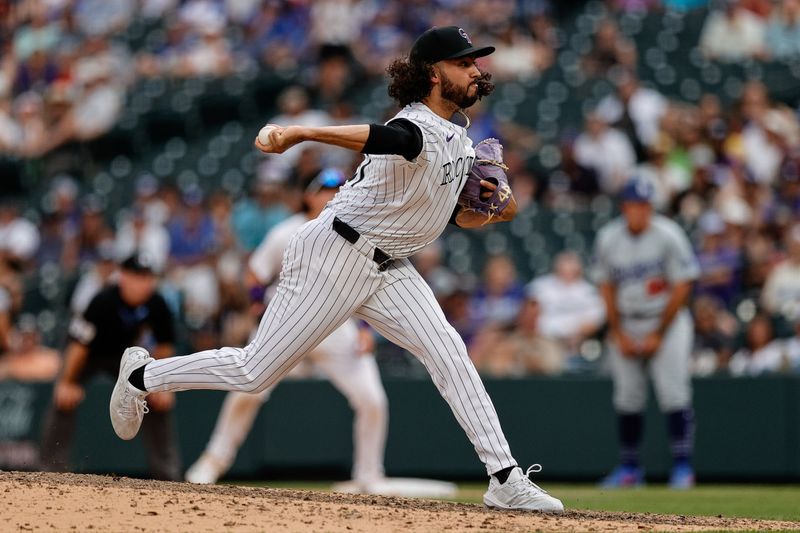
{"x":206,"y":470}
{"x":127,"y":407}
{"x":520,"y":493}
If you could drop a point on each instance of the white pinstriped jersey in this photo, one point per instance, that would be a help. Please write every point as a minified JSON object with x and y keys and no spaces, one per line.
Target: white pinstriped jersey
{"x":402,"y":206}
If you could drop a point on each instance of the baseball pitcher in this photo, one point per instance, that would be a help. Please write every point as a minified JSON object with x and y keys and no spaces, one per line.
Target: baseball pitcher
{"x":352,"y":260}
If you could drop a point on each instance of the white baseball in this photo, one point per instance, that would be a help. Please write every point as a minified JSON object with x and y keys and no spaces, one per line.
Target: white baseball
{"x":263,"y":135}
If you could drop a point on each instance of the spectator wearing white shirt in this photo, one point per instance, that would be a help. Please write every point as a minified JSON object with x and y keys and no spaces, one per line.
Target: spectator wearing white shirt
{"x":339,"y":21}
{"x":19,"y":238}
{"x":732,"y":34}
{"x":667,"y":177}
{"x":103,"y":17}
{"x":762,"y":353}
{"x":518,"y":56}
{"x":139,"y":235}
{"x":98,"y":277}
{"x":781,"y":294}
{"x":294,"y":105}
{"x":792,"y":351}
{"x":636,"y":106}
{"x":768,"y":141}
{"x":209,"y":55}
{"x":571,"y":307}
{"x":607,"y":151}
{"x":783,"y":31}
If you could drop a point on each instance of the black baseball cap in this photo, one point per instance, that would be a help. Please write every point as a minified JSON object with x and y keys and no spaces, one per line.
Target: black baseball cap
{"x":447,"y":42}
{"x":139,"y":263}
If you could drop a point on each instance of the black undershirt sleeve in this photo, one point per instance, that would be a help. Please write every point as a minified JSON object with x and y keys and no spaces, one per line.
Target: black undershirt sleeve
{"x":398,"y":137}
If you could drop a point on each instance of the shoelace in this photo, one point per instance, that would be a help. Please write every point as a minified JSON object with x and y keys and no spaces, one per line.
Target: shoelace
{"x":131,"y":405}
{"x":534,"y":468}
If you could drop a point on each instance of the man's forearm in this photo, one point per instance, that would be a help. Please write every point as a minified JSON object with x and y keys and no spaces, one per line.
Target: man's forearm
{"x":608,"y":292}
{"x":351,"y":137}
{"x":678,"y":298}
{"x":74,"y":361}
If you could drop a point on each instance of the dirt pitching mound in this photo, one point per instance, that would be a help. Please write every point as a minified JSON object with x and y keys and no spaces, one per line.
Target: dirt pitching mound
{"x":72,"y":502}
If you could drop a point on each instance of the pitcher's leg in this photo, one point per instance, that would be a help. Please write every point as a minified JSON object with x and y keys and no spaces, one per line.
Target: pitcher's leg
{"x":323,"y":281}
{"x":406,"y":312}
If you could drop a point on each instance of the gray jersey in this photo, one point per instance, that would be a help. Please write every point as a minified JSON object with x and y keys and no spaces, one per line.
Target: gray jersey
{"x":402,"y":206}
{"x":643,"y":267}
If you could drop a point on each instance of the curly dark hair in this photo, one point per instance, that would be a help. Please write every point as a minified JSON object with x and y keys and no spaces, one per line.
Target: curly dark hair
{"x":411,"y":81}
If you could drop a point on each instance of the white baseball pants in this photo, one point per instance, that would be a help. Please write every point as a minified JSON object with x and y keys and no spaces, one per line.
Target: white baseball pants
{"x":324,"y":281}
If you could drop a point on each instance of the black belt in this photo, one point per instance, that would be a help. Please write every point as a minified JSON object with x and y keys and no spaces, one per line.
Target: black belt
{"x":641,"y":315}
{"x":352,"y":236}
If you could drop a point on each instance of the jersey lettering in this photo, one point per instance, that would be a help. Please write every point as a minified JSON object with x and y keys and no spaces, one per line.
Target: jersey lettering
{"x":453,"y":170}
{"x":639,"y":271}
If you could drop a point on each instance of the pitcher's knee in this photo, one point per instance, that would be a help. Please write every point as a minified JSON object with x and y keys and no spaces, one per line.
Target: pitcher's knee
{"x":249,"y":379}
{"x":250,"y":373}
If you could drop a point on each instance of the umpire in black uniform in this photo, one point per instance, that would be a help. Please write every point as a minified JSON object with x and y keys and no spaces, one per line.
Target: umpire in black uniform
{"x":126,"y":313}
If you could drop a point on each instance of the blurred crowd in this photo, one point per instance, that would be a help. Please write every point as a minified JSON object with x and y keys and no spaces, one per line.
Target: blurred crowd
{"x":729,"y":172}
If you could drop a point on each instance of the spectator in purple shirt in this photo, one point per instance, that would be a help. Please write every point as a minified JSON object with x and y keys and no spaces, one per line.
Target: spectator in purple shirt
{"x":720,"y":264}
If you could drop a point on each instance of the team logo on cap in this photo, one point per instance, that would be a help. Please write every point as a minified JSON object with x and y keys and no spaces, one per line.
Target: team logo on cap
{"x":465,"y":36}
{"x":643,"y":189}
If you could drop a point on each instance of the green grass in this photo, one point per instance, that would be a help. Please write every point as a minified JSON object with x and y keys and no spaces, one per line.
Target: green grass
{"x":774,"y":502}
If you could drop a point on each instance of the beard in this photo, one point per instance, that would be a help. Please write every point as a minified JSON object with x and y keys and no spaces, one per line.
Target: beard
{"x":458,"y":95}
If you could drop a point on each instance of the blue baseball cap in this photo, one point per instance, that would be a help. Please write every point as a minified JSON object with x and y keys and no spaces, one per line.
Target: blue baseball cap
{"x":637,"y":190}
{"x":328,"y":178}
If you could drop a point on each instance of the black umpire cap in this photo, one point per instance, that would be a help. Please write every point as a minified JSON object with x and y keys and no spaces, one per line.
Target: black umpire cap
{"x":139,"y":263}
{"x":448,"y":42}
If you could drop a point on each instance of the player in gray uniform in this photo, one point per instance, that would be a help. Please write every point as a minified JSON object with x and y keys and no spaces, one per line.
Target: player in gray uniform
{"x":645,"y":268}
{"x":352,"y":260}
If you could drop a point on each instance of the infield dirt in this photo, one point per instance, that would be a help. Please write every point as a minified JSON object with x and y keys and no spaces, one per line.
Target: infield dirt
{"x":73,"y":502}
